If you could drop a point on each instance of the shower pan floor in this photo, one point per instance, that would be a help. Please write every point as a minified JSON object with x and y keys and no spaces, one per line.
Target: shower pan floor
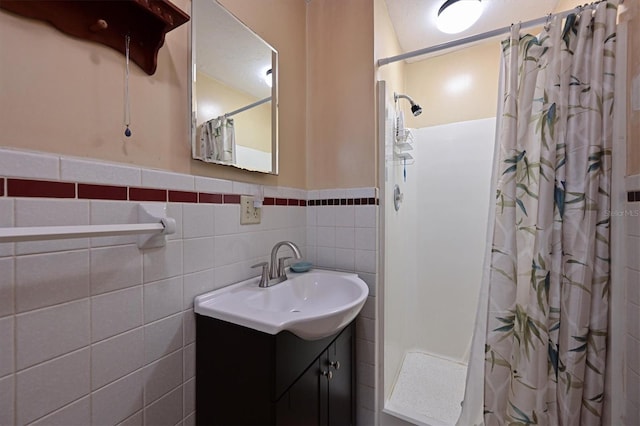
{"x":429,"y":390}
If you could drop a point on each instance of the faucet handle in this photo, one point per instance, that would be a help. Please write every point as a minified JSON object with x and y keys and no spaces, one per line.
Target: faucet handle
{"x":281,"y":267}
{"x":264,"y":278}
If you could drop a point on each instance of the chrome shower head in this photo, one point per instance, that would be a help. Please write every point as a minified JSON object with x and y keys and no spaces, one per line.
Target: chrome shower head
{"x":416,"y":109}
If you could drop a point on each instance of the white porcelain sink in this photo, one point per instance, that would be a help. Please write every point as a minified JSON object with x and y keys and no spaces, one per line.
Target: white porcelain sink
{"x":311,"y":305}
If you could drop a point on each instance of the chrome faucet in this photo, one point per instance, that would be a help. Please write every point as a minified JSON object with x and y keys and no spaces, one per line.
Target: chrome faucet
{"x":277,"y":270}
{"x":276,"y":273}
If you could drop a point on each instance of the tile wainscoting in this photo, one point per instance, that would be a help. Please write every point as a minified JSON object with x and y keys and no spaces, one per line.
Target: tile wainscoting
{"x":632,"y":297}
{"x":97,"y":331}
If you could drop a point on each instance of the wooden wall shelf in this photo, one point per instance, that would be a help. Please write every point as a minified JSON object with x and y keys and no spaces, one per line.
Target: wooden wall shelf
{"x":108,"y":22}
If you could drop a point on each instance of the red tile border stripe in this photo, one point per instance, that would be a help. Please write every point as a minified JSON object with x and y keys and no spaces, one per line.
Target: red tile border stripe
{"x":147,"y":194}
{"x":40,"y":188}
{"x":204,"y":197}
{"x":15,"y":187}
{"x":231,"y":198}
{"x":183,"y":197}
{"x":101,"y":192}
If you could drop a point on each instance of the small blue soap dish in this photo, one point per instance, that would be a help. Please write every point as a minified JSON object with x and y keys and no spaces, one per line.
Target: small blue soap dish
{"x":301,"y":266}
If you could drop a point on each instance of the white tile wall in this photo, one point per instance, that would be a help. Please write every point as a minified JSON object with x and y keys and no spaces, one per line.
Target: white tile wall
{"x":163,"y":376}
{"x":105,"y":278}
{"x":80,"y":170}
{"x":197,"y":220}
{"x":114,"y":212}
{"x":38,"y":212}
{"x":46,"y":333}
{"x":7,"y":288}
{"x":6,"y":219}
{"x":104,"y":333}
{"x":175,"y":181}
{"x":135,"y":420}
{"x":51,"y":385}
{"x":40,"y":280}
{"x":167,"y":411}
{"x":345,"y":238}
{"x":7,"y":345}
{"x":162,"y":298}
{"x":116,"y":357}
{"x":118,"y":400}
{"x":29,"y":165}
{"x":632,"y":350}
{"x":7,"y":402}
{"x":215,"y":186}
{"x":76,"y":413}
{"x":162,"y":338}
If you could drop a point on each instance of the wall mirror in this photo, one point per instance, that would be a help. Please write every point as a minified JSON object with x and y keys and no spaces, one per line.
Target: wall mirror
{"x":234,"y":91}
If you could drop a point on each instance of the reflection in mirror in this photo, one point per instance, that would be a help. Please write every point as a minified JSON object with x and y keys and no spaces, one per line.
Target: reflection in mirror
{"x":233,"y":92}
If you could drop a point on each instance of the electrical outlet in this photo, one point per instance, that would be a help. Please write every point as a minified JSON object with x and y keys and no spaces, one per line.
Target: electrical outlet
{"x":248,"y":213}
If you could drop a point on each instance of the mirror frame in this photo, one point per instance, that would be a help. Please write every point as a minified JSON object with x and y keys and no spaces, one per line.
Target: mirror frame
{"x":193,"y":101}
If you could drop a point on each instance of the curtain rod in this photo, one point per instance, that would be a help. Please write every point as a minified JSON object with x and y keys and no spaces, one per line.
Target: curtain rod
{"x":244,"y":108}
{"x":479,"y":37}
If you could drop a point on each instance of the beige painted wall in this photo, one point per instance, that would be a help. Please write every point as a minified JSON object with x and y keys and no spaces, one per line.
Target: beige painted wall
{"x":432,"y":79}
{"x":341,"y":146}
{"x":457,"y":86}
{"x":282,"y":24}
{"x":64,"y":95}
{"x":252,"y":127}
{"x":386,"y":45}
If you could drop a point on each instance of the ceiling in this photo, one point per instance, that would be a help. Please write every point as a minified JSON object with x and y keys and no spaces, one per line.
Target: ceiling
{"x":414,"y":20}
{"x":228,"y":51}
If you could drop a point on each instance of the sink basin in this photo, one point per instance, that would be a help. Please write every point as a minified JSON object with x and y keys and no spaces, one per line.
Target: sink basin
{"x":311,"y":305}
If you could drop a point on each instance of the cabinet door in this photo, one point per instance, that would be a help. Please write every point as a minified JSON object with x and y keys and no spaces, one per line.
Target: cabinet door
{"x":341,"y":385}
{"x":300,"y":405}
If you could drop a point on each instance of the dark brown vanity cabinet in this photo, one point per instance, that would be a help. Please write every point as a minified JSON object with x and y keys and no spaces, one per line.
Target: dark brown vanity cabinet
{"x":246,"y":377}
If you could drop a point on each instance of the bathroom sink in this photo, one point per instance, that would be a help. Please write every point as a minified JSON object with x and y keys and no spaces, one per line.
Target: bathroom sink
{"x":311,"y":305}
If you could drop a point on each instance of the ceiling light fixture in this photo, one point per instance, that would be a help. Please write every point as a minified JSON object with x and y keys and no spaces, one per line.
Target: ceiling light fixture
{"x":456,"y":16}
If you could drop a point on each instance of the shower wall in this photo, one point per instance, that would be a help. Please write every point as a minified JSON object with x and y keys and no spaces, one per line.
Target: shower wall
{"x":435,"y":242}
{"x":453,"y":166}
{"x":400,"y":258}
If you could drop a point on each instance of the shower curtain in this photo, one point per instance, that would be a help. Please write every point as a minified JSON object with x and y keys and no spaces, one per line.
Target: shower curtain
{"x":548,"y":288}
{"x":218,"y":141}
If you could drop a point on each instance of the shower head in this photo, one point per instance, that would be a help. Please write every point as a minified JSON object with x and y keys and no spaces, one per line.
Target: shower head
{"x":416,"y":110}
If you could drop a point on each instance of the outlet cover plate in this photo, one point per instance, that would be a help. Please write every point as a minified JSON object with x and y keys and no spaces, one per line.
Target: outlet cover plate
{"x":248,"y":213}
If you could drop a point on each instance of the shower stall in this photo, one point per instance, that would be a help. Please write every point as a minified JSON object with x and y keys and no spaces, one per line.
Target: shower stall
{"x":435,"y":233}
{"x":437,"y":191}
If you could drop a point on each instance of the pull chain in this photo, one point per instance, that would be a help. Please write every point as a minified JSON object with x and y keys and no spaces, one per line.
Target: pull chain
{"x":127,"y":103}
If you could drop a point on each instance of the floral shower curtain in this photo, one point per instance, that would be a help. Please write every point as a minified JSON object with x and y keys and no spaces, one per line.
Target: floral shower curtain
{"x":545,"y":350}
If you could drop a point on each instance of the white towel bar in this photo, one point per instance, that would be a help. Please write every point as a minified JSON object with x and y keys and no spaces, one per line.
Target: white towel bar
{"x":153,"y":217}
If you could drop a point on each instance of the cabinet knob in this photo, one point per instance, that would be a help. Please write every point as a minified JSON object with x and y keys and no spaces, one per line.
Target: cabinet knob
{"x":328,"y":374}
{"x":335,"y":364}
